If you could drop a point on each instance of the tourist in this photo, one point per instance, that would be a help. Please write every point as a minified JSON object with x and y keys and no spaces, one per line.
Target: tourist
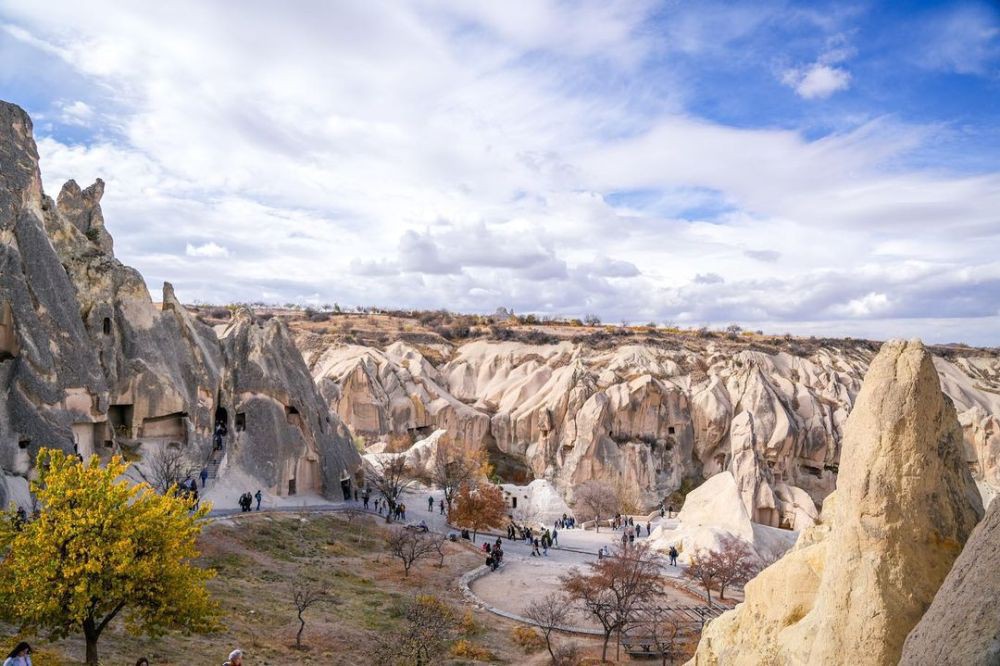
{"x":364,"y":500}
{"x":536,"y":543}
{"x":204,"y":476}
{"x":377,"y":509}
{"x":402,"y":511}
{"x":555,"y":538}
{"x":600,"y":553}
{"x":258,"y":496}
{"x":499,"y":542}
{"x":441,"y":506}
{"x":19,"y":656}
{"x":235,"y":658}
{"x":670,"y":511}
{"x":430,"y":504}
{"x":355,"y":494}
{"x":624,"y":540}
{"x":673,"y":556}
{"x":649,"y":528}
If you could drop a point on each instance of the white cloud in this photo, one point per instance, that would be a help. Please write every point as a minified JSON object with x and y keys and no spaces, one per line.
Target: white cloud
{"x":453,"y":154}
{"x":76,"y":113}
{"x":817,"y":81}
{"x":210,"y":249}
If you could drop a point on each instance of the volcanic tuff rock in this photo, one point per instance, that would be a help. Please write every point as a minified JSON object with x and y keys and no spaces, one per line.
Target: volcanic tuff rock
{"x":962,"y":626}
{"x":642,"y":414}
{"x":87,"y":360}
{"x":856,"y":584}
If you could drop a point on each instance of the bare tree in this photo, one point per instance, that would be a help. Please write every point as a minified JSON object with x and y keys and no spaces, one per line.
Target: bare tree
{"x":548,"y":613}
{"x":305,"y":596}
{"x":596,"y":500}
{"x":428,"y":628}
{"x":439,"y":548}
{"x":352,"y":513}
{"x":661,"y":628}
{"x":615,"y":586}
{"x":392,"y":477}
{"x":454,"y":465}
{"x":734,"y":563}
{"x":408,"y":546}
{"x":168,"y":467}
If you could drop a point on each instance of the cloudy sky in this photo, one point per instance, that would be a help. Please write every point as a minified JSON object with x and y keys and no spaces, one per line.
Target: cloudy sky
{"x":819,"y":169}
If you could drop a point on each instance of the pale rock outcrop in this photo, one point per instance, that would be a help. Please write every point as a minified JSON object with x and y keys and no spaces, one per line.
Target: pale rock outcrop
{"x":642,"y":416}
{"x":712,"y":512}
{"x":962,"y":625}
{"x":89,"y":363}
{"x":856,"y":584}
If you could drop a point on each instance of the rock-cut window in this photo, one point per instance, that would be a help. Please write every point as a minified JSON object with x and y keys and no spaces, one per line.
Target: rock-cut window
{"x":107,"y":326}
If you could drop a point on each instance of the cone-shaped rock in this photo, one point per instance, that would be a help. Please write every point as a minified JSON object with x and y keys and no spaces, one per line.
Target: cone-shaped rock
{"x":962,"y":626}
{"x":855,"y":585}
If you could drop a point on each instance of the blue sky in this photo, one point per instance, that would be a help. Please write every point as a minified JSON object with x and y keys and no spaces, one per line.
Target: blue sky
{"x":818,"y":168}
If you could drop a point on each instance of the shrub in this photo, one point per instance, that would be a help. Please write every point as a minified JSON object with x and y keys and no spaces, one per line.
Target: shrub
{"x":528,"y":638}
{"x":469,"y":650}
{"x":220,"y":313}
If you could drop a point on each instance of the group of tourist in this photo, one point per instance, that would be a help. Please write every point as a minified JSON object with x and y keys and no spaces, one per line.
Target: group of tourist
{"x":494,"y":554}
{"x":565,"y":523}
{"x":246,"y":500}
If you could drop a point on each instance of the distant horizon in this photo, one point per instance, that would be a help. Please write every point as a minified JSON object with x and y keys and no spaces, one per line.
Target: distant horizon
{"x":817,"y":169}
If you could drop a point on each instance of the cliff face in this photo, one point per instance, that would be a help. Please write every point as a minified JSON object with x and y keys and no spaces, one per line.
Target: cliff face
{"x":853,"y":587}
{"x":962,"y":626}
{"x":87,"y":360}
{"x":646,"y":415}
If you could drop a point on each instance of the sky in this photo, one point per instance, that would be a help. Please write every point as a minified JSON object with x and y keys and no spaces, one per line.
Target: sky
{"x":828,"y":169}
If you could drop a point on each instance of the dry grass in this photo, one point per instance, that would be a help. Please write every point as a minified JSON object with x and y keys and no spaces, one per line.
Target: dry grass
{"x":259,"y":557}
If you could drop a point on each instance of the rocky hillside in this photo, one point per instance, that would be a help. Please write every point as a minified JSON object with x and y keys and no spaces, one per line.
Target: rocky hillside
{"x":644,"y":408}
{"x":88,"y":362}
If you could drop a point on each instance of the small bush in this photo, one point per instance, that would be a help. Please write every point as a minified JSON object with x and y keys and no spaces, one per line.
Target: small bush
{"x":567,"y":654}
{"x":529,"y":638}
{"x":469,"y":650}
{"x":220,"y":313}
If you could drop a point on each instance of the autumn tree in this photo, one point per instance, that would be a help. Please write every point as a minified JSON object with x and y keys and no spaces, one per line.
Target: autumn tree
{"x":613,"y":588}
{"x":479,"y":508}
{"x":733,"y":563}
{"x":662,"y":629}
{"x":548,"y":613}
{"x":596,"y":500}
{"x":304,"y":596}
{"x":391,"y":476}
{"x":455,"y":465}
{"x":429,"y":626}
{"x":408,"y":546}
{"x":101,"y":548}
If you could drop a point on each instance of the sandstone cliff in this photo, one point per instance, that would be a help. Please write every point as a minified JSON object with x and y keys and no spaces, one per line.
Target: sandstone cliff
{"x":89,"y":362}
{"x":962,"y":626}
{"x":648,"y":414}
{"x":856,"y":584}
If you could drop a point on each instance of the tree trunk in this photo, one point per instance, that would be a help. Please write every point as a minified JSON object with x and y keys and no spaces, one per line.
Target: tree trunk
{"x":708,"y":592}
{"x":618,"y":645}
{"x":722,"y":592}
{"x":604,"y":650}
{"x":91,"y":634}
{"x":298,"y":636}
{"x":548,"y":646}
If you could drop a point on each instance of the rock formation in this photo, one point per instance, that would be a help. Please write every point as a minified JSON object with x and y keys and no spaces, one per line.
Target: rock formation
{"x":962,"y":625}
{"x":89,"y":362}
{"x":644,"y":415}
{"x":857,"y":583}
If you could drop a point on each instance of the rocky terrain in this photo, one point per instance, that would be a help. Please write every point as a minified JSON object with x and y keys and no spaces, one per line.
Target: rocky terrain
{"x":857,"y":583}
{"x":89,"y":363}
{"x":651,"y":412}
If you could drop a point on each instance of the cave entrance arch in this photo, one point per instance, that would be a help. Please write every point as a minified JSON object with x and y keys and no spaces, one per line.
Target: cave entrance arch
{"x":345,"y":487}
{"x":221,"y":415}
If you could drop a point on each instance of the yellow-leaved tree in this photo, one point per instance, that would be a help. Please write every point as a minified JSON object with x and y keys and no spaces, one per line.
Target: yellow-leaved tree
{"x":100,"y":548}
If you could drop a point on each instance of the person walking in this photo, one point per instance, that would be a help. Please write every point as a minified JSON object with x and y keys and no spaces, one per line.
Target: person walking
{"x":673,"y":556}
{"x":430,"y":504}
{"x":649,"y":528}
{"x":364,"y":500}
{"x":441,"y":506}
{"x":555,"y":538}
{"x":235,"y":658}
{"x":204,"y":477}
{"x":259,"y":496}
{"x":19,"y":656}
